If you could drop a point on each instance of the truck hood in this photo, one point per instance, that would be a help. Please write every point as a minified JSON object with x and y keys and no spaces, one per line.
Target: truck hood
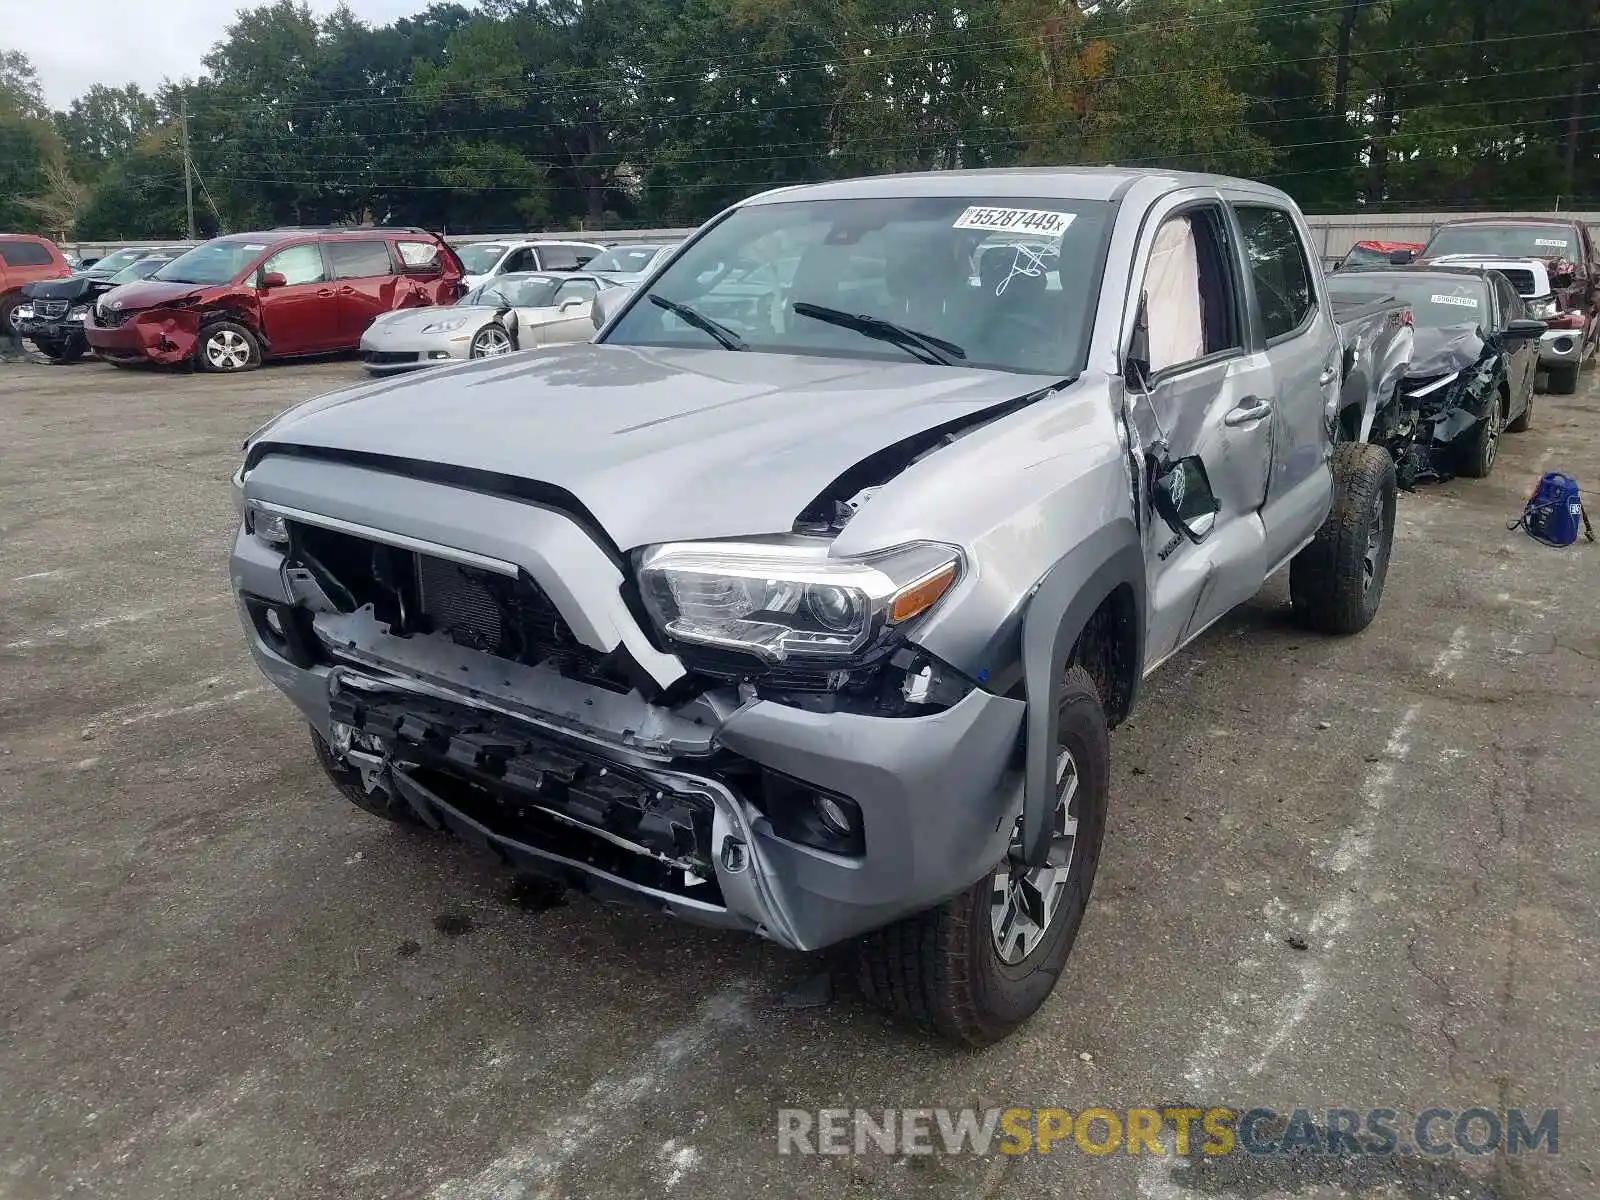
{"x":1445,"y":349}
{"x":657,"y":444}
{"x":148,"y":293}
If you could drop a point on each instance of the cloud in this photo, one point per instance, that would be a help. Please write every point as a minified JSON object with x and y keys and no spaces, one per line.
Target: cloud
{"x":138,"y":41}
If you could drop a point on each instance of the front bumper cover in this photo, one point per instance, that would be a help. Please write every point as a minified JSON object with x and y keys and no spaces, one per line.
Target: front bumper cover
{"x":938,"y":794}
{"x":160,"y":335}
{"x":1561,"y":346}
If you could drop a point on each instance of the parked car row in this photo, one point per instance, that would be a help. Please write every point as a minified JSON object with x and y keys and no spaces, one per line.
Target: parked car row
{"x":1492,"y":302}
{"x":238,"y":300}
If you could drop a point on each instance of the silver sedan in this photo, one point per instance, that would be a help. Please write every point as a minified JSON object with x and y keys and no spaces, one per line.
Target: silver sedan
{"x":509,"y":312}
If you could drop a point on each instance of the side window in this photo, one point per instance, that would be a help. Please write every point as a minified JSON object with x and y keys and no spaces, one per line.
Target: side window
{"x":362,"y":259}
{"x":297,"y":264}
{"x":1278,"y":267}
{"x":1189,"y":296}
{"x":558,"y":258}
{"x":25,"y":254}
{"x":575,"y":289}
{"x":519,"y":260}
{"x":1510,"y":303}
{"x":418,"y":256}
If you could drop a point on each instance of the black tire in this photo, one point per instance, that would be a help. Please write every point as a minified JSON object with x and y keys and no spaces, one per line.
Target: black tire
{"x":1562,"y":379}
{"x":491,"y":341}
{"x":227,"y":347}
{"x":1476,"y":458}
{"x":68,"y":351}
{"x":8,"y":315}
{"x":1336,"y":582}
{"x":1524,"y":418}
{"x":349,"y":784}
{"x":942,"y":969}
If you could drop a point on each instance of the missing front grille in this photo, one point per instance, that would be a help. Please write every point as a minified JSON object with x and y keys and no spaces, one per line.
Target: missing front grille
{"x":510,"y":618}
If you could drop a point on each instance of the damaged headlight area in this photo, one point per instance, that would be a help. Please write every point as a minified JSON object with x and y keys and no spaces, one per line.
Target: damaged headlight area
{"x":790,"y":603}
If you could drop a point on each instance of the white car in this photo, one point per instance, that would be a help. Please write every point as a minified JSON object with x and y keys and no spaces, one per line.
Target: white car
{"x":483,"y":261}
{"x":510,"y":312}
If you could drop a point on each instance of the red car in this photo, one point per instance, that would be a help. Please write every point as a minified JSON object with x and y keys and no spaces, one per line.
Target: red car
{"x":1377,"y":254}
{"x":236,"y":300}
{"x":25,"y":259}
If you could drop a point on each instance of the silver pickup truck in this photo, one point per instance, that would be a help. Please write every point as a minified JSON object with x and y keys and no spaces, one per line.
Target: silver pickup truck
{"x":807,"y":611}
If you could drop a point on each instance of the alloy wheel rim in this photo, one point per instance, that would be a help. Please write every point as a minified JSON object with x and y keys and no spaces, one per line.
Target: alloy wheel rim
{"x":1494,"y":435}
{"x":1374,"y":550}
{"x":491,"y":343}
{"x":226,"y":350}
{"x":1024,"y":900}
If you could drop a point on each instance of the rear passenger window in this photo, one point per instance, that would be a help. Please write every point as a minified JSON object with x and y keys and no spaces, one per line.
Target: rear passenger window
{"x":25,"y":254}
{"x":297,"y":264}
{"x":359,"y":260}
{"x":1278,"y":267}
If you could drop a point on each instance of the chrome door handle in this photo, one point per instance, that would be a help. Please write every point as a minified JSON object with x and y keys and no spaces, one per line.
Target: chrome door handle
{"x":1250,"y":409}
{"x":1328,"y":376}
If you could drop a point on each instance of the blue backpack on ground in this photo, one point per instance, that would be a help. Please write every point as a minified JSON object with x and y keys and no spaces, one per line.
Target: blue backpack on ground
{"x":1554,"y":512}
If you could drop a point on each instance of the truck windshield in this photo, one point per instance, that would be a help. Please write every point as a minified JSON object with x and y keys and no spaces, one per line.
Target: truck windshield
{"x":218,"y":261}
{"x":1436,"y":300}
{"x":1006,"y":284}
{"x":1504,"y":241}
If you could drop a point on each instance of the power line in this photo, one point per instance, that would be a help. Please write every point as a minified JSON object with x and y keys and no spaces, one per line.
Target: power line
{"x":1296,"y":7}
{"x":345,"y":179}
{"x":569,"y":90}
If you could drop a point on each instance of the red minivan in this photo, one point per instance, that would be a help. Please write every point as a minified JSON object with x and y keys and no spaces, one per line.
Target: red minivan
{"x":236,"y":300}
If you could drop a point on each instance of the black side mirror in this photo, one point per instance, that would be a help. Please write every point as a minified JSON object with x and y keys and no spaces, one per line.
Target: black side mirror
{"x":1181,"y":492}
{"x":1524,"y":329}
{"x":1401,"y":258}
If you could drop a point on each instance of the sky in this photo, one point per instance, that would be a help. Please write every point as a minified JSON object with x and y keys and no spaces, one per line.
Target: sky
{"x":78,"y":43}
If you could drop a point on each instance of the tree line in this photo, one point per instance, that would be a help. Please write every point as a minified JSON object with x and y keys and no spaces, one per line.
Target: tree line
{"x":516,"y":114}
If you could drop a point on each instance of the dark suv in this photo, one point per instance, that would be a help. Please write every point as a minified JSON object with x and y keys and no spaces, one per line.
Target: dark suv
{"x":1568,"y":253}
{"x":228,"y":304}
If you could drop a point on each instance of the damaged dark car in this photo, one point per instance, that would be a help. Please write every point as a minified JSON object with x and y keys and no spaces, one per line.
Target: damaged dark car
{"x":1472,"y":372}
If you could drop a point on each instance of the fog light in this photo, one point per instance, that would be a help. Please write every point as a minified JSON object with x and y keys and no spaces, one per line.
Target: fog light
{"x":834,"y":818}
{"x":1563,"y":345}
{"x":274,"y":622}
{"x":438,"y":354}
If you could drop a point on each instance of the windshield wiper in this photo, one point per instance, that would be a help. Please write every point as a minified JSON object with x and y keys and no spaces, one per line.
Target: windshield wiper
{"x":726,"y":338}
{"x":946,"y":354}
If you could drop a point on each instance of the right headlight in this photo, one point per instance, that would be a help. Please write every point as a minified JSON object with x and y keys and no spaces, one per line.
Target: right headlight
{"x":782,"y":601}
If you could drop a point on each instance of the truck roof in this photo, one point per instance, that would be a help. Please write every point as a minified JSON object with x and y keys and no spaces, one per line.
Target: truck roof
{"x":1068,"y":183}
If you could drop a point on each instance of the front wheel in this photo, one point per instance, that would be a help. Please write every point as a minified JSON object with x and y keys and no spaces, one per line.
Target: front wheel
{"x":65,"y":351}
{"x":348,"y":781}
{"x":1563,"y":379}
{"x":982,"y":963}
{"x":1336,"y":582}
{"x":1477,"y":458}
{"x":490,"y":342}
{"x":227,"y":346}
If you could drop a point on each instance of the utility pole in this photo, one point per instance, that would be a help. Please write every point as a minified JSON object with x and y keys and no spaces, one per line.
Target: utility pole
{"x":188,"y":168}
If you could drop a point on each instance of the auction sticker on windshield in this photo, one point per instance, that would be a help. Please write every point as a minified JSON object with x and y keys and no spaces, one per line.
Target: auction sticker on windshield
{"x":1458,"y":301}
{"x":1557,"y":243}
{"x":1025,"y":220}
